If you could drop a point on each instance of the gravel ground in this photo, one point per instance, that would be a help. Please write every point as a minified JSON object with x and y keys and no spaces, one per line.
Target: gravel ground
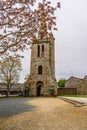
{"x":41,"y":114}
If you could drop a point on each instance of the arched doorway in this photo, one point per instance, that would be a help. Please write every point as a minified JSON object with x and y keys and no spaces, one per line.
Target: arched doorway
{"x":39,"y":88}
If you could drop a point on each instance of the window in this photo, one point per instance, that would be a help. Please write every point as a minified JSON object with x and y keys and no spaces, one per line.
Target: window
{"x":38,"y":53}
{"x":42,"y":50}
{"x":40,"y":69}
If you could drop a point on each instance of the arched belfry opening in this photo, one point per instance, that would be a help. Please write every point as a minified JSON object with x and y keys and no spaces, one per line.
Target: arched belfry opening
{"x":40,"y":69}
{"x":39,"y":87}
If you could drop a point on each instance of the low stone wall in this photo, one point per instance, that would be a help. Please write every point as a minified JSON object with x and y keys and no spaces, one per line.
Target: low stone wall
{"x":66,"y":91}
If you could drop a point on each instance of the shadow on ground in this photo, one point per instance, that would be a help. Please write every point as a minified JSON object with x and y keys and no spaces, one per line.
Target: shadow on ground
{"x":14,"y":106}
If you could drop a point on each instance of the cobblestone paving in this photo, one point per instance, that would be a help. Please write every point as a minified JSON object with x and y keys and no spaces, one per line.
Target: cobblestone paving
{"x":41,"y":114}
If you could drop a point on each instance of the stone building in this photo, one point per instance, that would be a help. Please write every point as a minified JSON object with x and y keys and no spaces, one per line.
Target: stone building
{"x":78,"y":83}
{"x":85,"y":77}
{"x":72,"y":82}
{"x":82,"y":86}
{"x":14,"y":89}
{"x":41,"y":81}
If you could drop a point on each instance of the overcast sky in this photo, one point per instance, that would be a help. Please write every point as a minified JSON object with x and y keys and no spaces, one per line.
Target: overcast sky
{"x":70,"y":41}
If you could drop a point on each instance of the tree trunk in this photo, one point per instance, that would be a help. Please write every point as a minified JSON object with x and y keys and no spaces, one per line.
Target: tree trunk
{"x":7,"y":95}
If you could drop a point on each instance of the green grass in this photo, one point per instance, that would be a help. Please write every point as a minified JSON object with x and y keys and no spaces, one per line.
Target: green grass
{"x":82,"y":96}
{"x":12,"y":97}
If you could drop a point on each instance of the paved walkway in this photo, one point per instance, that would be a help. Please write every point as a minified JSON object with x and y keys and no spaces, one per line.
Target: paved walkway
{"x":78,"y":99}
{"x":41,"y":114}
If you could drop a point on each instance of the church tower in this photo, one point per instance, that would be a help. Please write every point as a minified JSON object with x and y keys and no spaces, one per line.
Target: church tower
{"x":41,"y":81}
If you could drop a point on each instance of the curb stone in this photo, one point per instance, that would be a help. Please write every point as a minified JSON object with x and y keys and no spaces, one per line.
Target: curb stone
{"x":75,"y":103}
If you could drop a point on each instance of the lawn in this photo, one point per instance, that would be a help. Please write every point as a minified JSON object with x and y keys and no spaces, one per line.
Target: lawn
{"x":81,"y":96}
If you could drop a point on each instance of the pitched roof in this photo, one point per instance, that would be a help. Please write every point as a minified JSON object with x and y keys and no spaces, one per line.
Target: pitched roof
{"x":72,"y":77}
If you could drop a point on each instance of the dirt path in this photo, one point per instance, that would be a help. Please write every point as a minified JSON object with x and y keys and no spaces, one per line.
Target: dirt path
{"x":49,"y":114}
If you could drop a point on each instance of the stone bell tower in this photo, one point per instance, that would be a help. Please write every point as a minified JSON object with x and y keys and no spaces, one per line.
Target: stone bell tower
{"x":41,"y":81}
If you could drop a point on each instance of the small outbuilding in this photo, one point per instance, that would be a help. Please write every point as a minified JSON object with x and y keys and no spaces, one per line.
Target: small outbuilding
{"x":78,"y":83}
